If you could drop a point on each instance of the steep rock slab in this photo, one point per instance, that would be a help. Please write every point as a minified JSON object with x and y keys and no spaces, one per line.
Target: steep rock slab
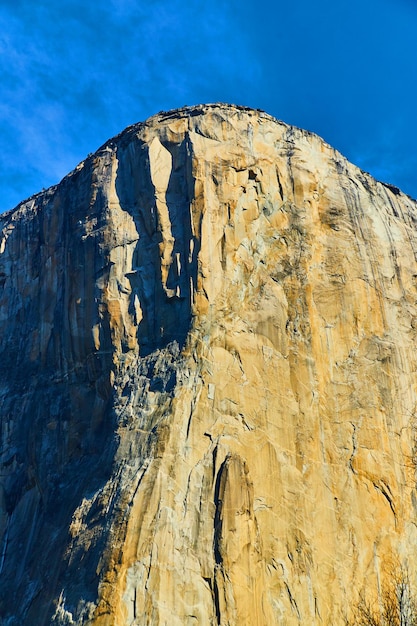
{"x":208,"y":381}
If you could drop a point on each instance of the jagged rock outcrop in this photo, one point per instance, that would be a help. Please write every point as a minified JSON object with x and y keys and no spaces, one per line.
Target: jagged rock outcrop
{"x":208,"y":381}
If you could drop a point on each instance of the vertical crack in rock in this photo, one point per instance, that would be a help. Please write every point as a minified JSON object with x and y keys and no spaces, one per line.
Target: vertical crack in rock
{"x":236,"y":548}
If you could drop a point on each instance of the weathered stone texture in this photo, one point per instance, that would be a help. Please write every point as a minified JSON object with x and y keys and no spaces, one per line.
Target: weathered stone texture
{"x":208,"y":381}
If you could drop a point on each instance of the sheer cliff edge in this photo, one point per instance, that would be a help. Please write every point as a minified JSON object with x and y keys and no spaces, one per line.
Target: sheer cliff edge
{"x":208,"y":378}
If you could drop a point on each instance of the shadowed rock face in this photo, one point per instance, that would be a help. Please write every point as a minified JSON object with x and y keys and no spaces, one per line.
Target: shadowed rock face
{"x":207,"y":381}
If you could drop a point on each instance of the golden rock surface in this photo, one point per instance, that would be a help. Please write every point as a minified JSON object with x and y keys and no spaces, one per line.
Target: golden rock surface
{"x":208,"y":381}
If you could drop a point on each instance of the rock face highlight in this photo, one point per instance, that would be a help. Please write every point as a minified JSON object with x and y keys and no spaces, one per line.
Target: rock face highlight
{"x":207,"y":381}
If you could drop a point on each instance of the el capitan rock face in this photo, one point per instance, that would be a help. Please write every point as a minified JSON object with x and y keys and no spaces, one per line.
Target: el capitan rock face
{"x":208,"y":381}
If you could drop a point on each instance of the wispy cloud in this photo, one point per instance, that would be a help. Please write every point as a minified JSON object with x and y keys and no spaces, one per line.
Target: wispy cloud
{"x":74,"y":73}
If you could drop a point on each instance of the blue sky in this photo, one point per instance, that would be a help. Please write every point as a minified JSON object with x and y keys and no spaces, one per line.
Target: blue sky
{"x":74,"y":73}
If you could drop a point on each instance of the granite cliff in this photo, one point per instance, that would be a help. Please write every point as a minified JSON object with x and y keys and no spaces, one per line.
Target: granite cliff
{"x":207,"y":381}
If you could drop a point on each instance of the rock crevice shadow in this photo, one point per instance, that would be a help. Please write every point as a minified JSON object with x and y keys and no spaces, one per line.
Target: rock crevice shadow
{"x":164,"y":265}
